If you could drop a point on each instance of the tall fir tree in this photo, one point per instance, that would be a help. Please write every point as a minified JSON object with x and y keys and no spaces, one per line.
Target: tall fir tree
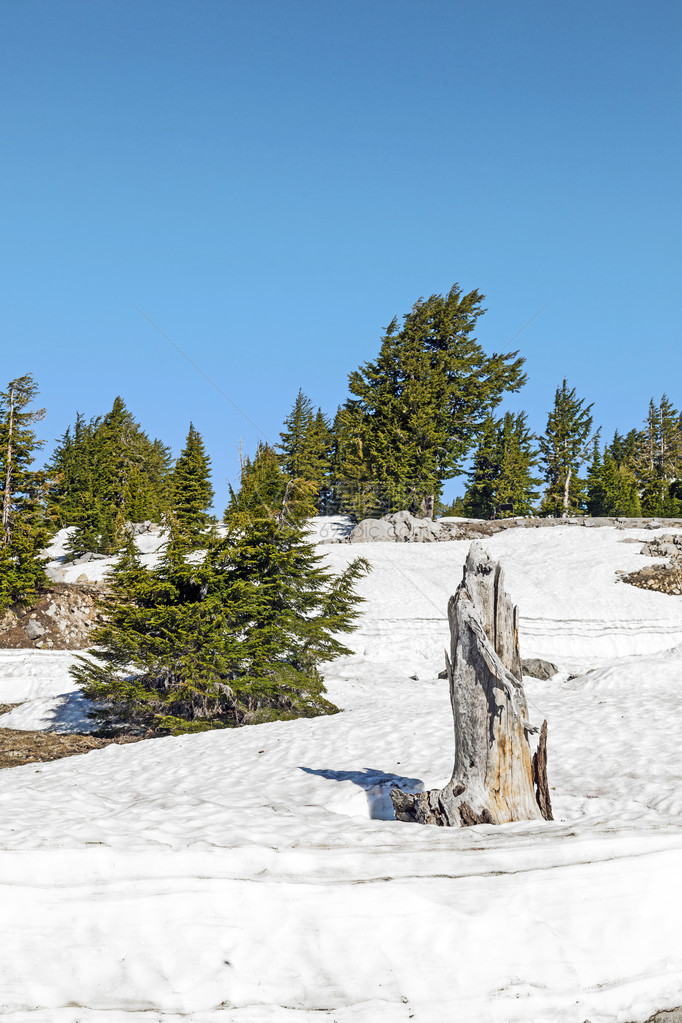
{"x":104,"y":473}
{"x":480,"y":497}
{"x":501,"y":481}
{"x":612,"y":488}
{"x":266,"y":491}
{"x":416,"y":410}
{"x":24,"y":524}
{"x":564,"y":449}
{"x":305,"y":449}
{"x":190,"y":485}
{"x":295,"y":439}
{"x":517,"y":488}
{"x":262,"y":486}
{"x":659,"y":459}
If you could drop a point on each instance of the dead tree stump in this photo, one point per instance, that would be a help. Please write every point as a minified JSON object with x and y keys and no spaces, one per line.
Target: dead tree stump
{"x":493,"y":777}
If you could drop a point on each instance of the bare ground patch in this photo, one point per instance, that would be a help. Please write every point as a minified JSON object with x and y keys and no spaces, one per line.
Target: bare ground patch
{"x":19,"y":747}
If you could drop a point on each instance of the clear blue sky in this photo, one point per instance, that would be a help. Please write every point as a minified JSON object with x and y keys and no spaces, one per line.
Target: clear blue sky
{"x":271,"y":181}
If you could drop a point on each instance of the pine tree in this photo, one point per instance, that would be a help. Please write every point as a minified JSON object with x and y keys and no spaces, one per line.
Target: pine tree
{"x":295,"y":439}
{"x":415,"y":412}
{"x":624,"y":449}
{"x":267,"y":492}
{"x":597,"y":493}
{"x":24,"y":524}
{"x":305,"y":449}
{"x":263,"y":485}
{"x":564,"y":448}
{"x":612,"y":489}
{"x":191,"y":490}
{"x":480,"y":497}
{"x":351,"y":490}
{"x":659,"y":459}
{"x":104,"y":473}
{"x":517,"y":486}
{"x":501,"y":473}
{"x":234,"y":639}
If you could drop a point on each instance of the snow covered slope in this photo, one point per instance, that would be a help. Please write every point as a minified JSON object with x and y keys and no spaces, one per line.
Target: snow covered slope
{"x":257,"y":875}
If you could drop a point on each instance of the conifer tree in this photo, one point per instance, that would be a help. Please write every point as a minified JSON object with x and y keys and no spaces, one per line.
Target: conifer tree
{"x":190,"y":481}
{"x":564,"y":448}
{"x":266,"y":490}
{"x":501,"y":473}
{"x":234,"y":639}
{"x":624,"y":449}
{"x":104,"y":473}
{"x":480,"y":498}
{"x":659,"y":459}
{"x":611,"y":488}
{"x":305,"y":449}
{"x":351,"y":489}
{"x":24,"y":526}
{"x":517,"y":486}
{"x":263,"y":485}
{"x":295,"y":440}
{"x":416,"y":410}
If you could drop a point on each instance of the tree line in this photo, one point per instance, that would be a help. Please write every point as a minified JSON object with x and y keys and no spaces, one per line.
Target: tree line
{"x":423,"y":411}
{"x":231,"y":624}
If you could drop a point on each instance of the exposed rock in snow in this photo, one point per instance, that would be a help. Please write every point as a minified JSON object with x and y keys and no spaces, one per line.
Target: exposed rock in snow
{"x":61,"y":620}
{"x":537,"y":667}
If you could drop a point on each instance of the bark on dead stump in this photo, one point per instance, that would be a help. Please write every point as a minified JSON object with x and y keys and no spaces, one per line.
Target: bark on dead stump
{"x":494,"y":777}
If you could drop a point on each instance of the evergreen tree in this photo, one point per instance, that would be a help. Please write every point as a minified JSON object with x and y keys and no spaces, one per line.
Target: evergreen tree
{"x":501,"y":473}
{"x":597,"y":493}
{"x":624,"y":449}
{"x":611,"y":488}
{"x":517,"y":486}
{"x":263,"y":485}
{"x":266,"y":491}
{"x":24,"y":526}
{"x":305,"y":449}
{"x":415,"y":412}
{"x":564,"y":448}
{"x":105,"y":473}
{"x":295,"y":440}
{"x":659,"y":459}
{"x":350,"y":489}
{"x":480,"y":497}
{"x":232,"y":640}
{"x":192,"y":493}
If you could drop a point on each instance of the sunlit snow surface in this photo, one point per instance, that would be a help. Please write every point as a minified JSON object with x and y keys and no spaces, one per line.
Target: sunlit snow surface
{"x":256,"y":875}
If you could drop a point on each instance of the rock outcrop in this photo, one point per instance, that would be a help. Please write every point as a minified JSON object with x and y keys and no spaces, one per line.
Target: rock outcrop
{"x":665,"y":578}
{"x":61,"y":620}
{"x":402,"y":527}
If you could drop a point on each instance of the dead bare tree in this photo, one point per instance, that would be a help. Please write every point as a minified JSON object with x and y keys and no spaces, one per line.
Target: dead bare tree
{"x":494,"y":779}
{"x":7,"y":493}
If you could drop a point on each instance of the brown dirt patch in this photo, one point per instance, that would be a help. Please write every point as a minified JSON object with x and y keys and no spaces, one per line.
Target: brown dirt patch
{"x":19,"y":747}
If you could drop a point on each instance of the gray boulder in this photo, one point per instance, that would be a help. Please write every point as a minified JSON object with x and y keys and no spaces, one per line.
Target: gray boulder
{"x":399,"y":527}
{"x":536,"y":667}
{"x":373,"y":531}
{"x":34,"y":630}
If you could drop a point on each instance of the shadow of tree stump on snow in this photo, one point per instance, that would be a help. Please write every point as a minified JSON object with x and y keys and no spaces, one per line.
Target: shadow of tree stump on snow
{"x":376,"y":784}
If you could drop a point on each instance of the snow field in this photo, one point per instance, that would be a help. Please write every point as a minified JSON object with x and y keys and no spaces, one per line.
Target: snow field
{"x":256,"y":875}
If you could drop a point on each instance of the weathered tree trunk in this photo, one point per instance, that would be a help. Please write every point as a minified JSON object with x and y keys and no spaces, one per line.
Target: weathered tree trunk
{"x":493,"y":776}
{"x":7,"y":493}
{"x":567,"y":491}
